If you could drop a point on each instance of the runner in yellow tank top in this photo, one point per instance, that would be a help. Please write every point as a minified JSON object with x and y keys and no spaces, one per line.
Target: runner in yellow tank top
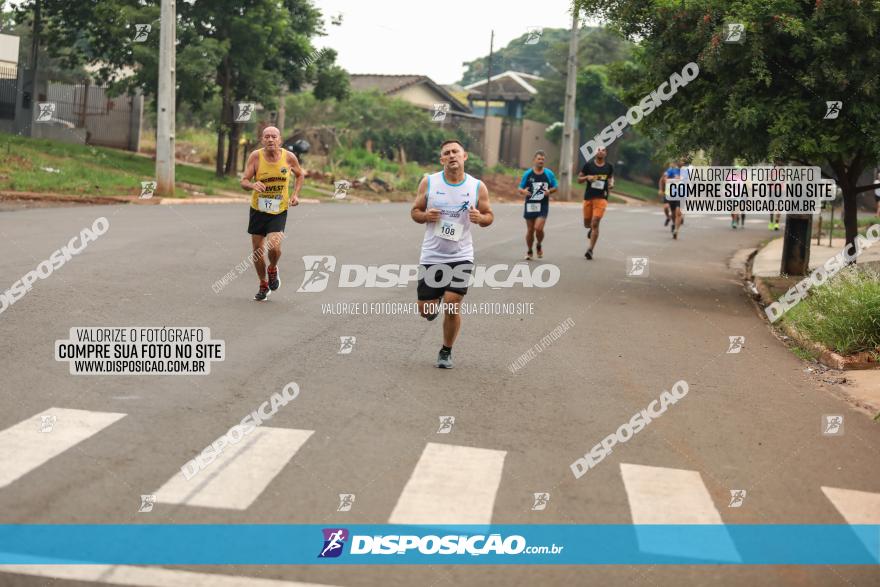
{"x":271,"y":167}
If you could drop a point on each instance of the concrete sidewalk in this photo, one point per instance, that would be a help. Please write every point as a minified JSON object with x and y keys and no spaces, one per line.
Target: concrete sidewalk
{"x":769,"y":259}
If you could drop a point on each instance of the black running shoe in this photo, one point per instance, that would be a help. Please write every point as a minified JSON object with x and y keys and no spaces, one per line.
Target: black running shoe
{"x":444,"y":359}
{"x":263,"y":294}
{"x":274,"y":280}
{"x":589,"y":254}
{"x":667,"y":221}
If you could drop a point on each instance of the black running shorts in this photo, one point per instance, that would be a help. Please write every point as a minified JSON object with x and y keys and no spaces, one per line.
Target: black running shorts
{"x":262,"y":223}
{"x":440,"y":278}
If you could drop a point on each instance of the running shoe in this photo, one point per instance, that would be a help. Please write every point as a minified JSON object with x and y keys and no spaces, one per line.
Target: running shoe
{"x":589,"y":254}
{"x":672,"y":228}
{"x":264,"y":292}
{"x":274,"y":280}
{"x":667,"y":221}
{"x":733,"y":224}
{"x":776,"y":226}
{"x":540,"y":252}
{"x":444,"y":359}
{"x":529,"y":255}
{"x":675,"y":234}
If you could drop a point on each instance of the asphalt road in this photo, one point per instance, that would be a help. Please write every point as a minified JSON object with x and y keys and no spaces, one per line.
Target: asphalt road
{"x":366,"y":423}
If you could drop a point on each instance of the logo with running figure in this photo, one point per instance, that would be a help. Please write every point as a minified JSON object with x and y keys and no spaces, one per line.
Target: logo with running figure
{"x":45,"y":110}
{"x":47,"y":422}
{"x":541,"y":501}
{"x":439,"y":112}
{"x":318,"y":270}
{"x":346,"y":500}
{"x":538,"y":190}
{"x":734,"y":32}
{"x":334,"y":541}
{"x":141,"y":32}
{"x":446,"y":424}
{"x":637,"y":267}
{"x":346,"y":344}
{"x":832,"y":109}
{"x":832,"y":424}
{"x":737,"y":497}
{"x":736,"y":344}
{"x":244,"y":111}
{"x":533,"y":35}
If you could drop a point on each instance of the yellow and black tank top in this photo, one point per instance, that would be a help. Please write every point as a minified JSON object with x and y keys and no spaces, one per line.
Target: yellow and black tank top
{"x":276,"y":177}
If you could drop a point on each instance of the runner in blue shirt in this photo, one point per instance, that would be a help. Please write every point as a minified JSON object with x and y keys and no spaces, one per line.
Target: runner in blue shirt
{"x":536,"y":185}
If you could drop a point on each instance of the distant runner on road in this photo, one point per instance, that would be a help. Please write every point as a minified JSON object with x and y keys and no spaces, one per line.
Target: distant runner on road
{"x":536,"y":185}
{"x":448,"y":203}
{"x":598,"y":174}
{"x":272,"y":167}
{"x":672,"y":173}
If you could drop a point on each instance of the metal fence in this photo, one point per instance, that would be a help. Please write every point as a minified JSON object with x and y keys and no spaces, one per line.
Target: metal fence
{"x":8,"y":89}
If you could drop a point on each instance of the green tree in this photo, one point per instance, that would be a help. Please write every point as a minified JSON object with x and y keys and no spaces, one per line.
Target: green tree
{"x":765,"y":99}
{"x":597,"y":101}
{"x":239,"y":50}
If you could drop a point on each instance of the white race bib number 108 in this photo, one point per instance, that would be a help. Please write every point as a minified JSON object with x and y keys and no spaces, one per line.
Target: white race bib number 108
{"x":269,"y":205}
{"x":448,"y":230}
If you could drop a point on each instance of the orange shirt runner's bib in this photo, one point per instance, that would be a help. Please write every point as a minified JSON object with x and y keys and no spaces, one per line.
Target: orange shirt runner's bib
{"x":276,"y":177}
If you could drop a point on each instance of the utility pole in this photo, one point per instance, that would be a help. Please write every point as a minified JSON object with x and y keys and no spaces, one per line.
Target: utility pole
{"x":27,"y":93}
{"x":486,"y":113}
{"x":568,"y":121}
{"x":166,"y":98}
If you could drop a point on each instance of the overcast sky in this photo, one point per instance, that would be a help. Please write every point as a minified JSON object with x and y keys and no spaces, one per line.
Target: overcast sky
{"x":430,"y":38}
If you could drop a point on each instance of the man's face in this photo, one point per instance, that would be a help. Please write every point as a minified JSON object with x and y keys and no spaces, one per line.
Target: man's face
{"x":682,"y":163}
{"x":539,"y":161}
{"x":600,"y":154}
{"x":452,"y":156}
{"x":271,"y":138}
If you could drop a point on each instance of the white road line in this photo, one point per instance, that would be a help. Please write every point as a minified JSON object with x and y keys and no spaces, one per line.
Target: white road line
{"x":451,"y":485}
{"x":239,"y":474}
{"x":660,"y":495}
{"x":24,"y":447}
{"x":856,"y":507}
{"x":146,"y":576}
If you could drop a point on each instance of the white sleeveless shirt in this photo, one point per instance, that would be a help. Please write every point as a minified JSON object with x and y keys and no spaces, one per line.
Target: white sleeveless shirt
{"x":449,"y":239}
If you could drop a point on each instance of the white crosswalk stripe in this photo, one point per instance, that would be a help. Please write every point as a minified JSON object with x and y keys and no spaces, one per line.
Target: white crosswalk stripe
{"x":146,"y":576}
{"x":32,"y":442}
{"x":856,"y":507}
{"x":661,"y":495}
{"x":239,"y":474}
{"x":451,"y":485}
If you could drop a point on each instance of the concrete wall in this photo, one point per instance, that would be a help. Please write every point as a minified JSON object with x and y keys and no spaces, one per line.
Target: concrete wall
{"x":493,"y":141}
{"x":532,"y":139}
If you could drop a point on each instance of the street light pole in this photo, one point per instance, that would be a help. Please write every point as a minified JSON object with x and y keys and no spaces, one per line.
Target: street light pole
{"x":166,"y":95}
{"x":568,"y":121}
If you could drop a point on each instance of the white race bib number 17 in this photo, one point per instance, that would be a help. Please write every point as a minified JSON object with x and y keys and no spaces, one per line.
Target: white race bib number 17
{"x":269,"y":205}
{"x":448,"y":230}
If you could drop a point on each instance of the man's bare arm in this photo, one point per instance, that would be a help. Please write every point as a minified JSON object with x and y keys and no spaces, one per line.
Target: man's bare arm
{"x":420,"y":212}
{"x":250,"y":171}
{"x":300,"y":177}
{"x":483,"y":215}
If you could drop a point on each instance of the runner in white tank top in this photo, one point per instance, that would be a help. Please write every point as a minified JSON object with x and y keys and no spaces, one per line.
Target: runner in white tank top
{"x":448,"y":204}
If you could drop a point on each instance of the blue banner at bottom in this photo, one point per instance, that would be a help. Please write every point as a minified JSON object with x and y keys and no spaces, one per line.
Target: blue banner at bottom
{"x":253,"y":544}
